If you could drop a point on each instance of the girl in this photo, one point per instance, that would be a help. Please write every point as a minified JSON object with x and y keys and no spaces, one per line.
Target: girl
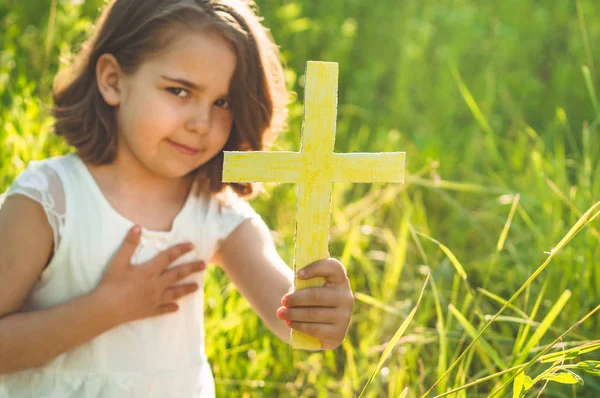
{"x":102,"y":251}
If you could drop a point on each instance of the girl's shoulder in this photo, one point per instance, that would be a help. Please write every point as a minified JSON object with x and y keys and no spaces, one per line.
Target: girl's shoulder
{"x":42,"y":182}
{"x":224,"y":212}
{"x":229,"y":201}
{"x":39,"y":174}
{"x":41,"y":179}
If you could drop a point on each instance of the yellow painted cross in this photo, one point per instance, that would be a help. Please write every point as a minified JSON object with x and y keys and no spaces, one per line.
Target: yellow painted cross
{"x":314,"y":168}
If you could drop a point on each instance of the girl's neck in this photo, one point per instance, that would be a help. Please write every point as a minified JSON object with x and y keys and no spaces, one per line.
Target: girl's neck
{"x":130,"y":179}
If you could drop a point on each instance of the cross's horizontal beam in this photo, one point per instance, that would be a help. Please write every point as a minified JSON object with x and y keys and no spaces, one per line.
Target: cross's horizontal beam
{"x":291,"y":167}
{"x":263,"y":166}
{"x":369,"y":167}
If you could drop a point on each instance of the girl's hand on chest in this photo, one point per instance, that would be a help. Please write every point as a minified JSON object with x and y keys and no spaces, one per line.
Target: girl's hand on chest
{"x":148,"y":289}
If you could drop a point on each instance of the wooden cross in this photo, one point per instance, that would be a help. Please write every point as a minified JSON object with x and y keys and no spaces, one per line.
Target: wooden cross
{"x":314,"y":168}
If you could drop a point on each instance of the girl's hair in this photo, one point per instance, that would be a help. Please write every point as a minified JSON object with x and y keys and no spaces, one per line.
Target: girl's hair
{"x":135,"y":30}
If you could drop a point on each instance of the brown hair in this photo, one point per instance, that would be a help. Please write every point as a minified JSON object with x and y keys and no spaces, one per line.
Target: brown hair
{"x":132,"y":31}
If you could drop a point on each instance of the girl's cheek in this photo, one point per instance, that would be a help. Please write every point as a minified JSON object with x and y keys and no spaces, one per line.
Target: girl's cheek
{"x":224,"y":123}
{"x":224,"y":118}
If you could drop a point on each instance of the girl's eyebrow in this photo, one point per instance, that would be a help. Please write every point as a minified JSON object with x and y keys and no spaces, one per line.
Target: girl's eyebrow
{"x":185,"y":83}
{"x":189,"y":84}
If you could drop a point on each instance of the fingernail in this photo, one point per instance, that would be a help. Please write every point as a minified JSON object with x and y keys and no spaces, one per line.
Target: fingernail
{"x":190,"y":246}
{"x":301,"y":273}
{"x":284,"y":301}
{"x":136,"y":230}
{"x":288,"y":323}
{"x":280,"y":313}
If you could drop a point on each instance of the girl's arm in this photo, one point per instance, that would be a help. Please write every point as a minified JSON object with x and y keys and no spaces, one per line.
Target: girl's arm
{"x":32,"y":338}
{"x":251,"y":261}
{"x":124,"y":294}
{"x":249,"y":258}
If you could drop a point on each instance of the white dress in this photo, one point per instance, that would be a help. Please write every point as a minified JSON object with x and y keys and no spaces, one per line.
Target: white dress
{"x":155,"y":357}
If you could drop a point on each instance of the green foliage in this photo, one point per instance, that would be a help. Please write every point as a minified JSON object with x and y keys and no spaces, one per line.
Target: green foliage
{"x":496,"y":105}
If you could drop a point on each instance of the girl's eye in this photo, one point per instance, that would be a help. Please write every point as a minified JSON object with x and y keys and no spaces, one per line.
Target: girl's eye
{"x":223,"y":103}
{"x":178,"y":92}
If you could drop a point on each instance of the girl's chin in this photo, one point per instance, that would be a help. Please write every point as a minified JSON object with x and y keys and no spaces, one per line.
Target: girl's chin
{"x":179,"y":170}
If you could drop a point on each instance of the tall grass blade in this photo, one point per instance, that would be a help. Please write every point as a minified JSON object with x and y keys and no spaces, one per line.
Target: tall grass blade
{"x":487,"y":349}
{"x":502,"y":301}
{"x":588,"y":217}
{"x":442,"y":364}
{"x":546,"y":322}
{"x":589,"y":83}
{"x":457,"y":265}
{"x":506,"y":228}
{"x":522,"y":367}
{"x":570,"y":353}
{"x":584,"y":35}
{"x":545,"y":350}
{"x":525,"y":333}
{"x":476,"y":111}
{"x":392,"y":344}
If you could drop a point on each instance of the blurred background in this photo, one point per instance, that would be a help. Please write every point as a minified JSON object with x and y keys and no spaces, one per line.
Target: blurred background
{"x":495,"y":104}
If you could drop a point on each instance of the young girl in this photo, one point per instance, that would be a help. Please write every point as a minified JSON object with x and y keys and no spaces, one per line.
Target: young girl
{"x":102,"y":251}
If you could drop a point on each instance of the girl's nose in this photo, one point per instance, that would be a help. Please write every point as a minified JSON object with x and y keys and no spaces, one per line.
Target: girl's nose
{"x":199,"y":121}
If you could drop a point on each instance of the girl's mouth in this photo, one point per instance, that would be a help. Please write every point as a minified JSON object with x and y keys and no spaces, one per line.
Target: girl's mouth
{"x":186,"y":150}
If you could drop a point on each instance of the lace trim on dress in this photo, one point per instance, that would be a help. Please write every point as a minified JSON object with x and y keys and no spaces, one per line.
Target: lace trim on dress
{"x":41,"y":183}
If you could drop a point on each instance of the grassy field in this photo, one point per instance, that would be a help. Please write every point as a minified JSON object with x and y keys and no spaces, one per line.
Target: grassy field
{"x":496,"y":105}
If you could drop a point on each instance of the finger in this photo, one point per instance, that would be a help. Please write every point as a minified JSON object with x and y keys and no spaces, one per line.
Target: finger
{"x":168,"y":256}
{"x":331,"y":269}
{"x":310,"y":314}
{"x":176,"y":292}
{"x":312,"y":297}
{"x":167,"y":309}
{"x":318,"y":330}
{"x":127,"y":249}
{"x":173,"y":275}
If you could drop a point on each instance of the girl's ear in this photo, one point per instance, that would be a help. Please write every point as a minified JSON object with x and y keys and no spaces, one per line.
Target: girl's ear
{"x":109,"y":78}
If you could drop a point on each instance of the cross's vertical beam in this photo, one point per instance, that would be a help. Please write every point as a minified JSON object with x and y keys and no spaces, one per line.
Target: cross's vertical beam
{"x":314,"y":191}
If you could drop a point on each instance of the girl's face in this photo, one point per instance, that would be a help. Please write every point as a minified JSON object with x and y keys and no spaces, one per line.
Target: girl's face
{"x":173,"y":114}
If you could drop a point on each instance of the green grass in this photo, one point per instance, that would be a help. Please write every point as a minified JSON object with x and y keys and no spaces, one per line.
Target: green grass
{"x":496,"y":105}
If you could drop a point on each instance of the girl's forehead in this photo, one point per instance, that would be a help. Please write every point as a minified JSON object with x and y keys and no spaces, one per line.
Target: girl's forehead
{"x":204,"y":55}
{"x":198,"y":44}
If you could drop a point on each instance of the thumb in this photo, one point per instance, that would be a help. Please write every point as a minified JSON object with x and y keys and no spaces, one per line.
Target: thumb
{"x":130,"y":243}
